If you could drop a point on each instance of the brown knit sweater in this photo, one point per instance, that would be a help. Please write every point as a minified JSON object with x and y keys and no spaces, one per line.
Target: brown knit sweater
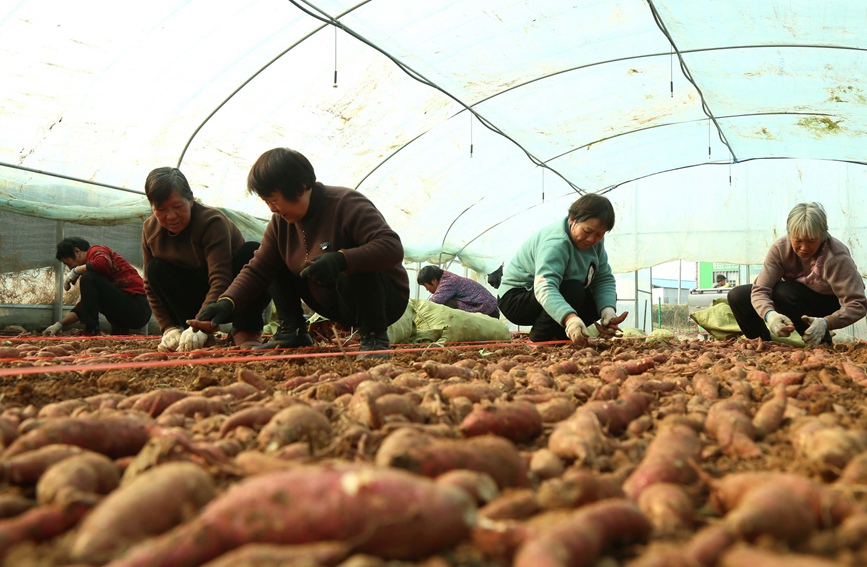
{"x":207,"y":246}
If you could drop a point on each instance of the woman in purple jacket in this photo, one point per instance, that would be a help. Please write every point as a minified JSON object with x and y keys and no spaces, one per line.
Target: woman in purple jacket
{"x":809,"y":283}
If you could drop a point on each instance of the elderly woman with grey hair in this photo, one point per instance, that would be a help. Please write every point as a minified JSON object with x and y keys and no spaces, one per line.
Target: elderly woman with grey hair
{"x":809,"y":283}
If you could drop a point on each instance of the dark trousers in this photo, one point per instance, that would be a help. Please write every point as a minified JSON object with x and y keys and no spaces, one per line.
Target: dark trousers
{"x":123,"y":311}
{"x":791,"y":299}
{"x":368,"y":301}
{"x":454,"y":304}
{"x":182,"y":291}
{"x":522,"y":308}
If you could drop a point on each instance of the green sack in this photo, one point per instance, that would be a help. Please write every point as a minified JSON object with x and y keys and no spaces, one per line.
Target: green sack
{"x":456,"y":325}
{"x":719,"y":321}
{"x":401,"y":330}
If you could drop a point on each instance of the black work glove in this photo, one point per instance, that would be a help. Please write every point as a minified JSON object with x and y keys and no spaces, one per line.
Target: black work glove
{"x":218,"y":312}
{"x":325,"y":268}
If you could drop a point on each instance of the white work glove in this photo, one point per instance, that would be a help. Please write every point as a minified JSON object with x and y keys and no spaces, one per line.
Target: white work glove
{"x":577,"y":331}
{"x":779,"y":324}
{"x":192,"y":339}
{"x":70,"y":279}
{"x":170,"y":341}
{"x":814,"y":334}
{"x":52,"y":329}
{"x":608,"y":313}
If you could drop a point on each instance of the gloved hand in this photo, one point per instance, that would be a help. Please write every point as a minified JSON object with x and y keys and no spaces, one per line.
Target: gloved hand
{"x":814,"y":334}
{"x":577,"y":331}
{"x":192,"y":339}
{"x":218,"y":312}
{"x":52,"y":329}
{"x":325,"y":268}
{"x":170,"y":341}
{"x":70,"y":279}
{"x":779,"y":324}
{"x":609,"y":321}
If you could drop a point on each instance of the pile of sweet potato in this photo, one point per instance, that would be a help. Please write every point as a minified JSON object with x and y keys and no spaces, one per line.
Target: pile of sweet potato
{"x":668,"y":453}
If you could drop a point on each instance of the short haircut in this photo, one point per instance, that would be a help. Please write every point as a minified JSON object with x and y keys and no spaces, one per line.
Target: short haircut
{"x":281,"y":169}
{"x":66,"y":247}
{"x":428,"y":274}
{"x":591,"y":206}
{"x":720,"y":277}
{"x":163,"y":181}
{"x":808,"y":220}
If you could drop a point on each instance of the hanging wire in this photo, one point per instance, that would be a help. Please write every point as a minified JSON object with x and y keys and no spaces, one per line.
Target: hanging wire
{"x":335,"y":59}
{"x":471,"y":135}
{"x":705,"y":108}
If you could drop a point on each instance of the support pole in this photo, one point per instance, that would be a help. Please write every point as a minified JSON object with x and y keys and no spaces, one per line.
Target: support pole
{"x":58,"y":276}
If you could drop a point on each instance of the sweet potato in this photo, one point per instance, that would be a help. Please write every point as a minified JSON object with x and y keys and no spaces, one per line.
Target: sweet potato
{"x":787,"y":378}
{"x":480,"y":486}
{"x":769,"y":416}
{"x":39,"y":524}
{"x":432,"y":457}
{"x":772,"y":509}
{"x":825,"y":444}
{"x":741,"y":555}
{"x":14,"y":504}
{"x":575,"y":488}
{"x":192,"y":406}
{"x":855,"y":471}
{"x":253,"y":417}
{"x":385,"y":512}
{"x":708,"y":544}
{"x":26,"y":468}
{"x":155,"y":402}
{"x":730,"y":422}
{"x":514,"y":504}
{"x":155,"y":501}
{"x":320,"y":554}
{"x":668,"y":459}
{"x":668,"y":507}
{"x":855,"y":372}
{"x":518,"y":421}
{"x":445,"y":371}
{"x":81,"y":478}
{"x":248,"y":376}
{"x":112,"y":436}
{"x":473,"y":391}
{"x":295,"y":423}
{"x":578,"y":540}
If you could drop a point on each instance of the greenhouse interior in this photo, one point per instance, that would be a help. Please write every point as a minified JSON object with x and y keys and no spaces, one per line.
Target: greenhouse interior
{"x":527,"y":283}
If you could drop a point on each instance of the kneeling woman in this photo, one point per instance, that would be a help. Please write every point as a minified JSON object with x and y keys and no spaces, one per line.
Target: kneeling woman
{"x":560,"y":281}
{"x":808,"y":283}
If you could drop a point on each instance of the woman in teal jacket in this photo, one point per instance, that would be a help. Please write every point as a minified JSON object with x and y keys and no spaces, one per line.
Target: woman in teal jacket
{"x":559,"y":282}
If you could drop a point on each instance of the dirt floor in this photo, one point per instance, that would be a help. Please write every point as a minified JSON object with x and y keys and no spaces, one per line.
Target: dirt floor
{"x":715,"y":394}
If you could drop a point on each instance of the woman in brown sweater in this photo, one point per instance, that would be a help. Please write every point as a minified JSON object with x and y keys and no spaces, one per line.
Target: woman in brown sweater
{"x":808,"y":283}
{"x":191,"y":253}
{"x":328,"y":246}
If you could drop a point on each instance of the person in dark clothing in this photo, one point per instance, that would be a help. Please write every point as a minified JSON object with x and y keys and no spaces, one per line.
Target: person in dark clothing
{"x":328,"y":246}
{"x":191,"y":252}
{"x":108,"y":285}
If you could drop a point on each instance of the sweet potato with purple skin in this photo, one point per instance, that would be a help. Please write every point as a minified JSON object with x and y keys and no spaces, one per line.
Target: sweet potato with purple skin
{"x":39,"y":524}
{"x":518,"y":421}
{"x":112,"y":436}
{"x":473,"y":391}
{"x":12,"y":505}
{"x":191,"y":406}
{"x":253,"y":417}
{"x":154,"y":403}
{"x":26,"y":468}
{"x":578,"y":541}
{"x":668,"y":459}
{"x":384,"y":512}
{"x":249,"y":377}
{"x":155,"y":501}
{"x":575,"y":488}
{"x":432,"y":457}
{"x":730,"y":423}
{"x":81,"y":478}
